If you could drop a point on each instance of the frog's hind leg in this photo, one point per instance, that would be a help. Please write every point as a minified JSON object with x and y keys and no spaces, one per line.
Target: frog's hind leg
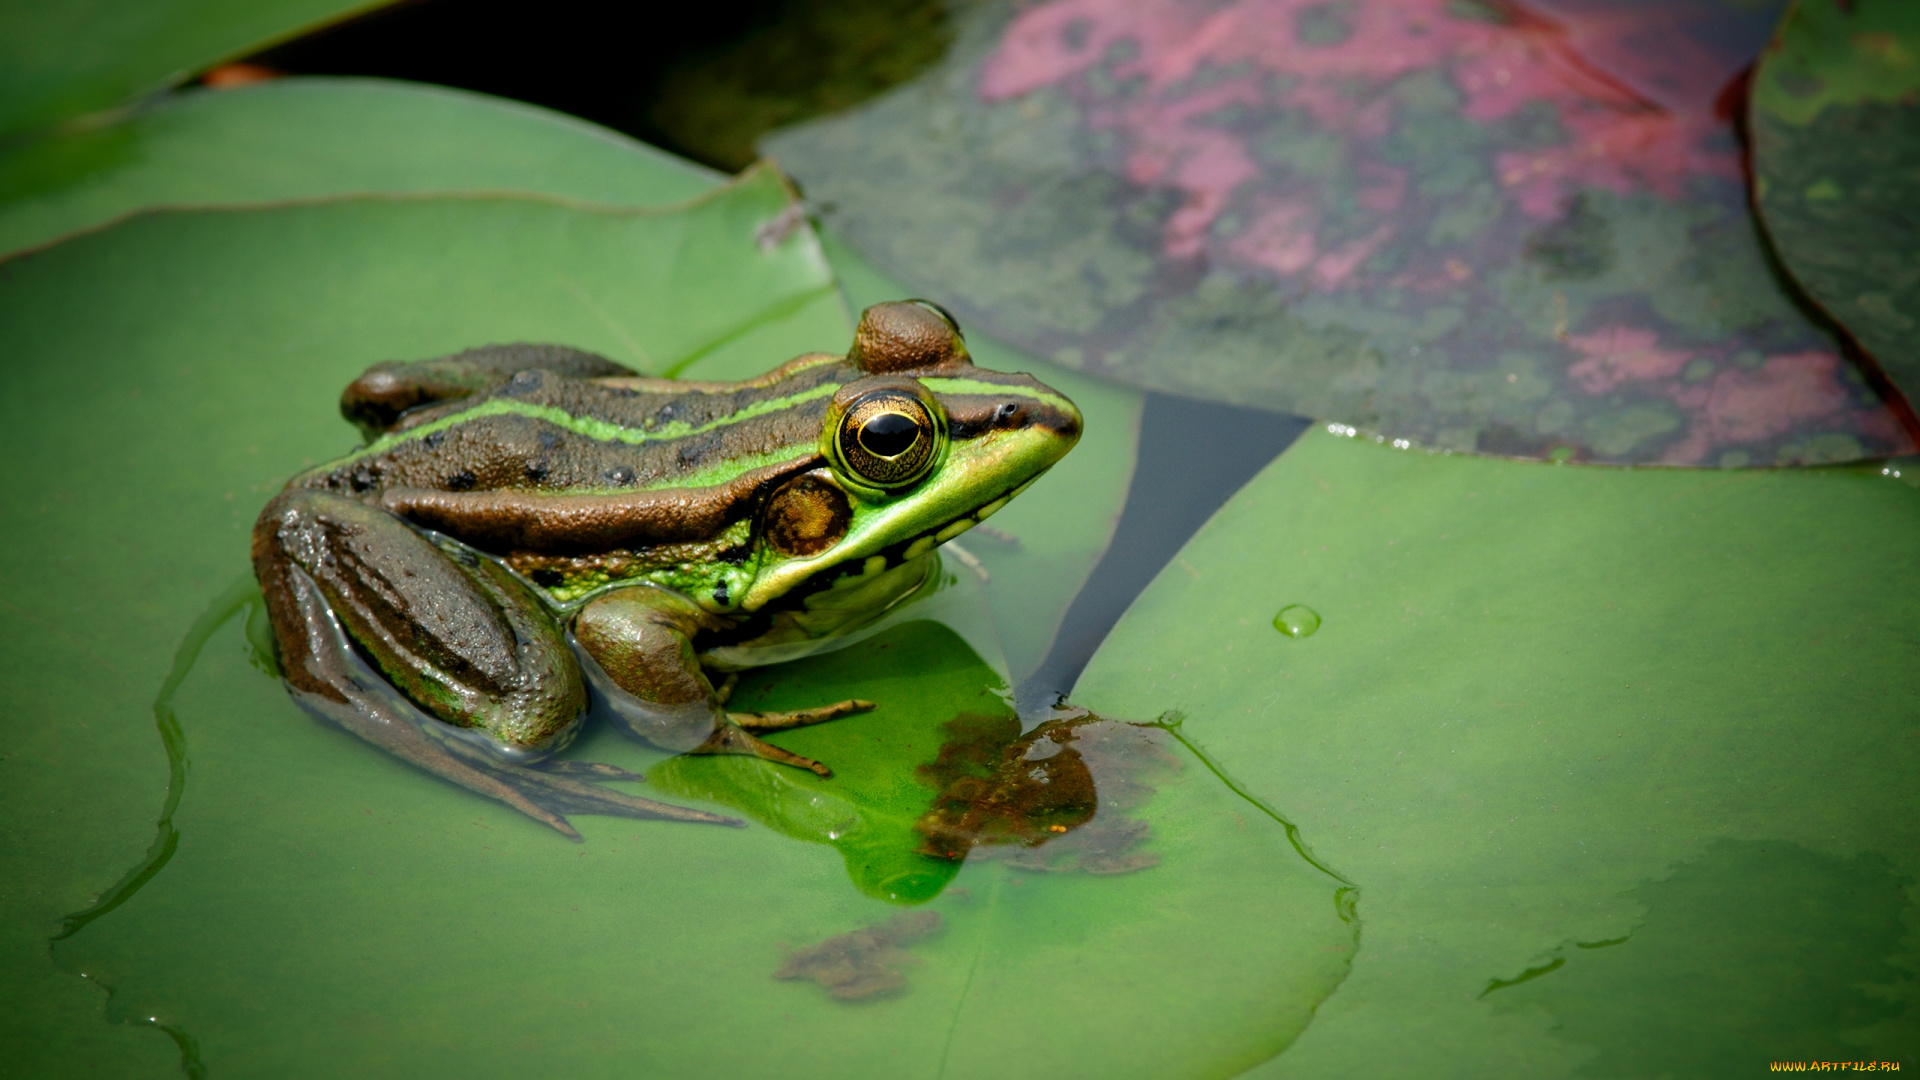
{"x":462,"y":640}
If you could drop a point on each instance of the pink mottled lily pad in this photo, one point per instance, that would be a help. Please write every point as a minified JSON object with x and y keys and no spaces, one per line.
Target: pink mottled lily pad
{"x":1835,"y":117}
{"x":1510,"y":228}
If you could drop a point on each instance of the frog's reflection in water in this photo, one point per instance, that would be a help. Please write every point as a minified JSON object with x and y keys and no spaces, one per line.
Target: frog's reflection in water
{"x":1057,"y":799}
{"x":1060,"y":793}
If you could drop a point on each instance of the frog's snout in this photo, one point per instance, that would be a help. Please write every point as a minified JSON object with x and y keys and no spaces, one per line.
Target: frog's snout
{"x":1068,"y":422}
{"x":1059,"y":417}
{"x":1025,"y":408}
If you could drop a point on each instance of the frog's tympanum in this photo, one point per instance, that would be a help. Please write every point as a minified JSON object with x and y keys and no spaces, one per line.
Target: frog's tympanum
{"x":528,"y":519}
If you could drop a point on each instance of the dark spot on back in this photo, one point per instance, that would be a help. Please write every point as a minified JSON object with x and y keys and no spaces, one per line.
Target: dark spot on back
{"x":621,"y":475}
{"x":461,"y":481}
{"x":696,"y":449}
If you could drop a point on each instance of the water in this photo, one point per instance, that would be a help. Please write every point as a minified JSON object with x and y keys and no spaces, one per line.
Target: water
{"x":1297,"y":620}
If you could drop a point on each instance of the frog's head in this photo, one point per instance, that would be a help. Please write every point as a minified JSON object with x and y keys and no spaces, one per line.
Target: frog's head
{"x":918,"y":447}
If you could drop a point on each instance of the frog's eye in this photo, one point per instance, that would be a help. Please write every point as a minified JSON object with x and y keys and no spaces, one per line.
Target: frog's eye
{"x":887,"y":438}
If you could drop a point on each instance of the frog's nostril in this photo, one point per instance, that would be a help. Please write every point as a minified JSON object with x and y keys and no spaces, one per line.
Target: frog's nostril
{"x":1006,"y":413}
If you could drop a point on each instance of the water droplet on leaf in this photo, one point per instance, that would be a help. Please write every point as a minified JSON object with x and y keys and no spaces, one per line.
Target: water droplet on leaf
{"x":1297,"y":620}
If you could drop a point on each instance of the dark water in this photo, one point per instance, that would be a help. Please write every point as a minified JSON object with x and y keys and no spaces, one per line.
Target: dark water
{"x":623,"y":65}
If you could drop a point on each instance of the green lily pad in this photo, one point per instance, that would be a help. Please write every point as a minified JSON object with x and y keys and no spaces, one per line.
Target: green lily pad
{"x":59,"y":61}
{"x":298,"y":139}
{"x":1469,"y":225}
{"x":1040,"y":549}
{"x":1621,"y":760}
{"x":168,"y":373}
{"x":1835,"y":117}
{"x":443,"y":262}
{"x":331,"y":910}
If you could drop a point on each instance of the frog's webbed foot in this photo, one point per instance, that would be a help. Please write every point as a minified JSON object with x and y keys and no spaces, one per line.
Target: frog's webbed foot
{"x":731,"y":738}
{"x":784,"y":721}
{"x":781,"y":721}
{"x":696,"y":727}
{"x":736,"y":736}
{"x":596,"y":769}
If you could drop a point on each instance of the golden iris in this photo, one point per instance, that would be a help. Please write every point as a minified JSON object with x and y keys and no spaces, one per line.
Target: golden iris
{"x":886,"y":438}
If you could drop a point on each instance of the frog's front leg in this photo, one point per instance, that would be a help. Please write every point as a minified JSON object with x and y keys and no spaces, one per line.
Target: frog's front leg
{"x":642,"y":639}
{"x":453,"y":634}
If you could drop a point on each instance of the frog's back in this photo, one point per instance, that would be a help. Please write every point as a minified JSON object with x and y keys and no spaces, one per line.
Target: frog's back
{"x":545,"y":432}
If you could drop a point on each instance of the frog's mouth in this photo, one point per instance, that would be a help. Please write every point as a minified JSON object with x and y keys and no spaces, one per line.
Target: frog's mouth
{"x":916,"y":547}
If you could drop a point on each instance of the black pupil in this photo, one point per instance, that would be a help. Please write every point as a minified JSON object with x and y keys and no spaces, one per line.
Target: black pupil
{"x":889,"y":434}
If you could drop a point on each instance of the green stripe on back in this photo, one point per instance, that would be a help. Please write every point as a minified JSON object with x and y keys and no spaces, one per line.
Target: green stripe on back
{"x":586,"y":425}
{"x":724,"y":471}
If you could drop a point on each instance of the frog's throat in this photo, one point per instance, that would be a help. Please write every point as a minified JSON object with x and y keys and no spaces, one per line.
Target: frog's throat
{"x":845,"y":611}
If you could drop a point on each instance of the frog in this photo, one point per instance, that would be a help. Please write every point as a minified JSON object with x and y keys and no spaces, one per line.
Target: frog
{"x":528,"y":530}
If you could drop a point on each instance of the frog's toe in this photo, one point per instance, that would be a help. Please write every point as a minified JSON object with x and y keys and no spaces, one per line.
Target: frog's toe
{"x":782,"y":721}
{"x":547,"y":792}
{"x":561,"y":795}
{"x":595,"y":769}
{"x":732,"y":739}
{"x":381,"y":721}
